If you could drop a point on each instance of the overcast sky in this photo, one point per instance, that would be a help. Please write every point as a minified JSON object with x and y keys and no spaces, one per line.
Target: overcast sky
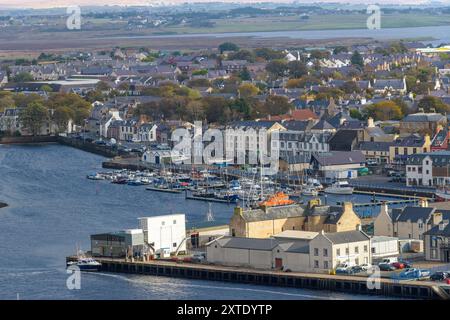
{"x":65,"y":3}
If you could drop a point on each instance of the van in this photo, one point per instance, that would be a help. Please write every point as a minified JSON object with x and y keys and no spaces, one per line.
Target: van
{"x":389,"y":260}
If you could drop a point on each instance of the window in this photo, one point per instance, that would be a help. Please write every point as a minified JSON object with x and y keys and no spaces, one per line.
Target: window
{"x":338,"y":252}
{"x":365,"y":248}
{"x":174,"y":221}
{"x":356,"y":249}
{"x":357,"y":261}
{"x":347,"y":251}
{"x":174,"y":244}
{"x":316,"y":252}
{"x":373,"y":250}
{"x":163,"y":223}
{"x":325,"y":252}
{"x":316,"y":263}
{"x":325,"y":264}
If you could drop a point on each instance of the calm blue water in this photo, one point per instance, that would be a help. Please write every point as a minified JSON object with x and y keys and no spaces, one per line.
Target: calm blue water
{"x":53,"y":207}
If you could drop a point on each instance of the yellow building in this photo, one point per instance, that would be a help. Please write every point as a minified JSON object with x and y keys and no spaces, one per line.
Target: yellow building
{"x":265,"y":222}
{"x":403,"y":147}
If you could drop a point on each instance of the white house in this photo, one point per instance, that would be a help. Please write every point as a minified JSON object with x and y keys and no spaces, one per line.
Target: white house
{"x":428,"y":169}
{"x":106,"y":121}
{"x":165,"y":234}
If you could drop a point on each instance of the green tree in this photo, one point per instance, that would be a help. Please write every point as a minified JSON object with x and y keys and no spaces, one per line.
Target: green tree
{"x":277,"y":67}
{"x":430,"y":103}
{"x":228,"y":46}
{"x":33,"y":117}
{"x":23,"y":77}
{"x":297,"y":69}
{"x":357,"y":59}
{"x":62,"y":116}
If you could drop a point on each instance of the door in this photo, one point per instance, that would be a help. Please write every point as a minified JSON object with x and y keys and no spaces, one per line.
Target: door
{"x":447,"y":256}
{"x":278,"y":263}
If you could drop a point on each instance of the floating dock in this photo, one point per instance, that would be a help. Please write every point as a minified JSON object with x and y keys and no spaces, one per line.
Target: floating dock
{"x":338,"y":283}
{"x":178,"y":191}
{"x":190,"y":197}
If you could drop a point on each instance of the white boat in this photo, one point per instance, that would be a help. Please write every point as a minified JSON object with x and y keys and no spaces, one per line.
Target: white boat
{"x":310,"y":191}
{"x":85,"y":264}
{"x":339,"y":187}
{"x":443,"y":194}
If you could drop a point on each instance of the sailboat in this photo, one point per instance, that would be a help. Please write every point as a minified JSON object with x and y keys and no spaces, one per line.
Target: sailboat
{"x":443,"y":193}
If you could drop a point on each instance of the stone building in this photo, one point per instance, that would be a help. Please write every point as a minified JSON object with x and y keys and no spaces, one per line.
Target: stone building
{"x":265,"y":222}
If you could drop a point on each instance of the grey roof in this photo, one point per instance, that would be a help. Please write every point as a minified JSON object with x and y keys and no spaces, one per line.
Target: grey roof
{"x":322,"y":125}
{"x":339,"y":157}
{"x":436,"y":232}
{"x":415,"y":213}
{"x":346,"y":236}
{"x":374,"y":146}
{"x":439,"y":158}
{"x":297,"y":247}
{"x":424,"y":117}
{"x":413,"y":140}
{"x":272,"y":213}
{"x":248,"y":243}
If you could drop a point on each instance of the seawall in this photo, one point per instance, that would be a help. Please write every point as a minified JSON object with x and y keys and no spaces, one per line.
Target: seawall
{"x":335,"y":283}
{"x":28,"y":139}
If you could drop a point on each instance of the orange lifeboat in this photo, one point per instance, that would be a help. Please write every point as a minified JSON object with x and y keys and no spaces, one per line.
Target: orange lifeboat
{"x":278,"y":199}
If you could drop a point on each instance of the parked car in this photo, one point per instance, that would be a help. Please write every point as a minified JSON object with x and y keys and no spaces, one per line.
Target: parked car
{"x":439,"y":276}
{"x":424,"y":273}
{"x":410,"y":273}
{"x":398,"y":265}
{"x":343,"y":267}
{"x":355,"y":269}
{"x":389,"y":260}
{"x":386,"y":267}
{"x":406,"y":264}
{"x":365,"y":266}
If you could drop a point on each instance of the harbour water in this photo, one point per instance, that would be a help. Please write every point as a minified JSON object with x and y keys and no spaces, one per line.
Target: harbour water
{"x":53,"y":208}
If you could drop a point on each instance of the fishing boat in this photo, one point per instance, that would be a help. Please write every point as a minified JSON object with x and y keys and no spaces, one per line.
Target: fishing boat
{"x":226,"y":196}
{"x":339,"y":187}
{"x":85,"y":264}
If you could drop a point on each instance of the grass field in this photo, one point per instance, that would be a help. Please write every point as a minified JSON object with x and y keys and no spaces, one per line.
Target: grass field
{"x":315,"y":22}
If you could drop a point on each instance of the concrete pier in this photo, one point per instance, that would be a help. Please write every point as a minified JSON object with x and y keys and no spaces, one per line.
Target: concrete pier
{"x":337,"y":283}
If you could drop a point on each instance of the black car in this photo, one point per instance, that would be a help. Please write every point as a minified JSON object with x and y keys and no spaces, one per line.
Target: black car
{"x":439,"y":276}
{"x":386,"y":267}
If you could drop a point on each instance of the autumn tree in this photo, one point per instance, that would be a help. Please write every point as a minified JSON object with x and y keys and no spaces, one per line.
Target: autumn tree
{"x":384,"y":110}
{"x":33,"y":117}
{"x":247,"y":90}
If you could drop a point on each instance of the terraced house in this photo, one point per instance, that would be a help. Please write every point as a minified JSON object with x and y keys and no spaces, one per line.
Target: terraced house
{"x":428,"y":169}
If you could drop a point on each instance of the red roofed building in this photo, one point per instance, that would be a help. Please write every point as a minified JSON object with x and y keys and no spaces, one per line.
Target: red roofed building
{"x":297,"y":115}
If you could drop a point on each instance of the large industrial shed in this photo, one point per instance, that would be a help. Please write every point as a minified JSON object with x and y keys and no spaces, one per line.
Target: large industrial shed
{"x":245,"y":252}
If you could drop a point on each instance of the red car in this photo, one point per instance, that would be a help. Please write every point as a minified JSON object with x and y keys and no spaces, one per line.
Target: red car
{"x":398,"y":265}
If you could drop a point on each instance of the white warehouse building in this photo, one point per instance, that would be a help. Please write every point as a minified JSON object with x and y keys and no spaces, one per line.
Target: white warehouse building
{"x":165,"y":234}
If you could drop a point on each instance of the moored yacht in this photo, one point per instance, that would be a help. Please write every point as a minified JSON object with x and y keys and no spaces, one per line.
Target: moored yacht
{"x":339,"y":187}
